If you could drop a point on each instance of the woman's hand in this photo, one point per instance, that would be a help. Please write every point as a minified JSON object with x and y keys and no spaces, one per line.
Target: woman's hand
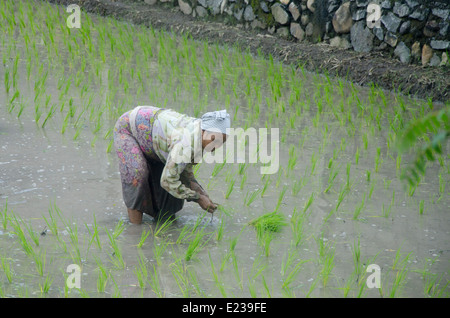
{"x":206,"y":203}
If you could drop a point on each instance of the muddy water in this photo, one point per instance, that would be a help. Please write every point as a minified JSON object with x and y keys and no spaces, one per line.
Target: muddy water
{"x":43,"y":170}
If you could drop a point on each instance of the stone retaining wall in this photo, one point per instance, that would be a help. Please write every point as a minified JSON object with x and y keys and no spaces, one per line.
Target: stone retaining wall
{"x":414,"y":31}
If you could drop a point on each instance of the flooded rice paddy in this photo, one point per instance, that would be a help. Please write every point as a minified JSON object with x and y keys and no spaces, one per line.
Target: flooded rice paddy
{"x":338,"y":187}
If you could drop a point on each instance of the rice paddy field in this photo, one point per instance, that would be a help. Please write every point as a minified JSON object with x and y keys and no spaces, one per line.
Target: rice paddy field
{"x":336,"y":205}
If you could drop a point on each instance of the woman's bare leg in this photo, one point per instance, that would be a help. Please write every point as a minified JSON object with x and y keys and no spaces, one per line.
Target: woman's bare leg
{"x":135,"y":216}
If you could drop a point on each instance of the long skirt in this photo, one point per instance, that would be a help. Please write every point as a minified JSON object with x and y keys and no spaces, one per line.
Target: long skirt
{"x":140,"y":168}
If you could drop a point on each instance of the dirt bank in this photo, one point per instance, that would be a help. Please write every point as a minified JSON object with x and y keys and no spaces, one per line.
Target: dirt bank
{"x":360,"y":68}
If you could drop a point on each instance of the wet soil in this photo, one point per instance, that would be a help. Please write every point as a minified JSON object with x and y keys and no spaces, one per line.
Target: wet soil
{"x":374,"y":68}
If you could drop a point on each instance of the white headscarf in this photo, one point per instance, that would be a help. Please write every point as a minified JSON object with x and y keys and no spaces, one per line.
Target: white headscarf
{"x":217,"y":121}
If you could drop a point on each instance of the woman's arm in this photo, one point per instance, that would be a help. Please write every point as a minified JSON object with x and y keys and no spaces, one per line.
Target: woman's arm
{"x":171,"y":179}
{"x":188,"y":179}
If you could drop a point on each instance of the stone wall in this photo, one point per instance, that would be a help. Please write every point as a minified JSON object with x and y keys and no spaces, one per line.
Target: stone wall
{"x":414,"y":31}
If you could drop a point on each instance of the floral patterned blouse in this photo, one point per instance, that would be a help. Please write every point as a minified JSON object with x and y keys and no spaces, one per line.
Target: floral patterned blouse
{"x":177,"y":141}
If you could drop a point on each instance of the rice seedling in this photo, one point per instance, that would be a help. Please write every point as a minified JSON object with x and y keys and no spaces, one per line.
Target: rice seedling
{"x":11,"y":101}
{"x":297,"y":226}
{"x":298,"y":185}
{"x":102,"y":277}
{"x":348,"y":284}
{"x":398,"y":261}
{"x":333,"y":174}
{"x":378,"y":159}
{"x":344,"y":191}
{"x":162,"y":225}
{"x":433,"y":286}
{"x":387,"y":210}
{"x":312,"y":287}
{"x":4,"y":215}
{"x":52,"y":222}
{"x":45,"y":286}
{"x":365,"y":141}
{"x":421,"y":206}
{"x":50,"y":114}
{"x":359,"y":207}
{"x":250,"y":197}
{"x":280,"y":198}
{"x":34,"y":236}
{"x":230,"y":253}
{"x":356,"y":253}
{"x":217,"y":168}
{"x":362,"y":288}
{"x":73,"y":235}
{"x":239,"y":277}
{"x":195,"y":245}
{"x":178,"y":270}
{"x":6,"y":81}
{"x":18,"y":231}
{"x":116,"y":256}
{"x":141,"y":272}
{"x":5,"y":265}
{"x":94,"y":234}
{"x":289,"y":274}
{"x":184,"y":234}
{"x":39,"y":262}
{"x":144,"y":236}
{"x":398,"y":282}
{"x":117,"y":293}
{"x":442,"y":184}
{"x":314,"y":159}
{"x":266,"y":185}
{"x":269,"y":222}
{"x":357,"y":156}
{"x":347,"y":183}
{"x":292,"y":158}
{"x":230,"y":188}
{"x":243,"y":179}
{"x":327,"y":265}
{"x":154,"y":282}
{"x":219,"y":284}
{"x":308,"y":203}
{"x":120,"y":226}
{"x":264,"y":240}
{"x":159,"y":246}
{"x":195,"y":283}
{"x":220,"y":230}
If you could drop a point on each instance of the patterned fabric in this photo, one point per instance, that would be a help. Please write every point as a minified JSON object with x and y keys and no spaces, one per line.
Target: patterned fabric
{"x":149,"y":161}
